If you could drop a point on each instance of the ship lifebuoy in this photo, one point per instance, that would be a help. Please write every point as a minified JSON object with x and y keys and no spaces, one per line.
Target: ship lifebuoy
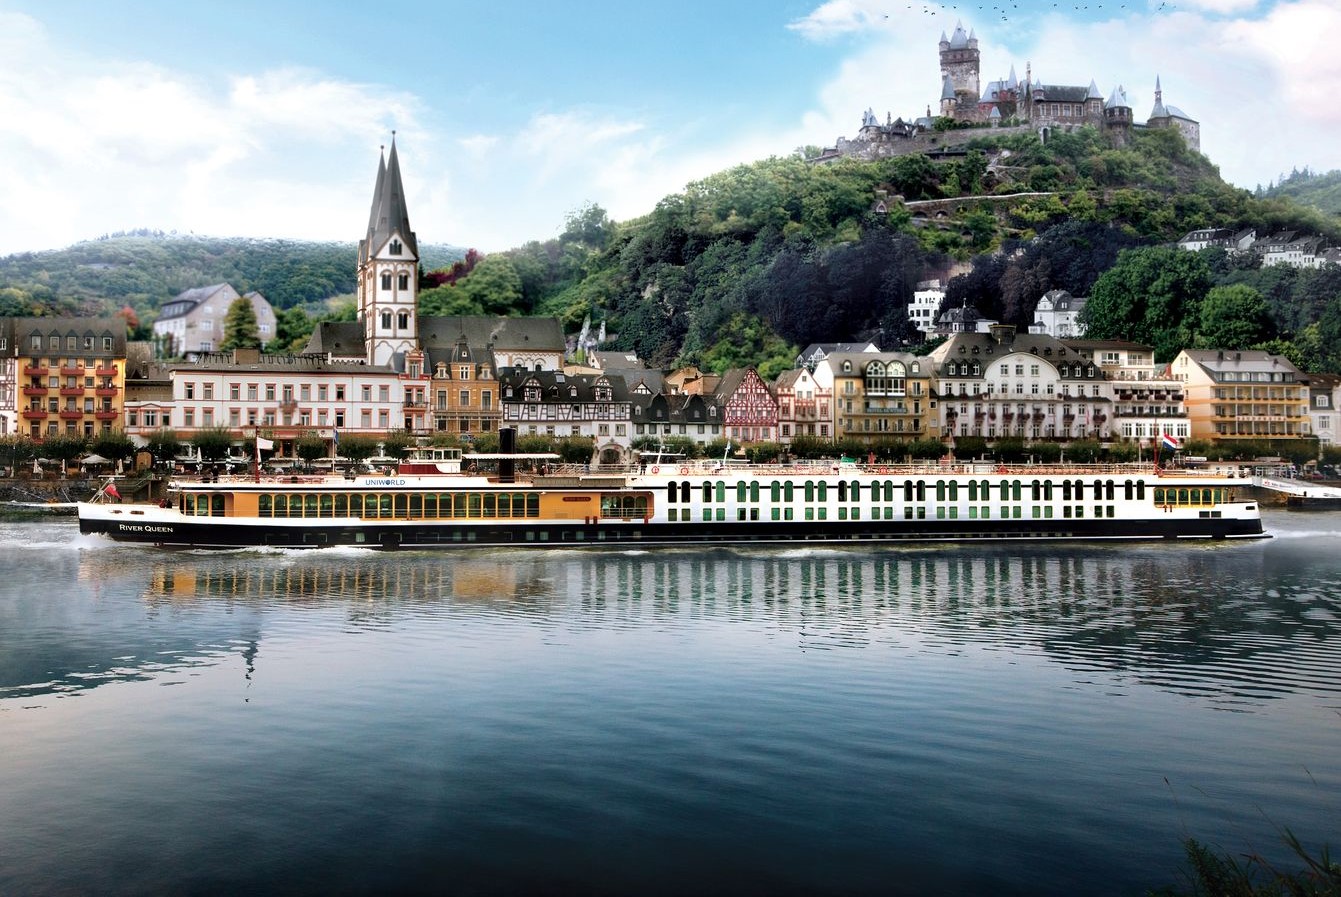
{"x":656,"y":470}
{"x":684,"y":471}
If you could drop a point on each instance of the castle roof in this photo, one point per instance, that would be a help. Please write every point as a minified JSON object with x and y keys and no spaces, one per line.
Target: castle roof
{"x":1118,"y":99}
{"x":1094,"y":92}
{"x":1061,"y":93}
{"x":960,"y":40}
{"x":948,"y":90}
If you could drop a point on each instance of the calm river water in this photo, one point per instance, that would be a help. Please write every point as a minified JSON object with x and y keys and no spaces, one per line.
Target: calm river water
{"x":1036,"y":719}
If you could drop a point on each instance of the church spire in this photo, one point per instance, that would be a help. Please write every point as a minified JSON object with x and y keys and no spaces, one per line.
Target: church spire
{"x":389,"y":214}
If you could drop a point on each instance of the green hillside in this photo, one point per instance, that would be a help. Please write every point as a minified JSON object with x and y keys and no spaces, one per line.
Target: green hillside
{"x":1320,"y":191}
{"x":142,"y":270}
{"x":749,"y":264}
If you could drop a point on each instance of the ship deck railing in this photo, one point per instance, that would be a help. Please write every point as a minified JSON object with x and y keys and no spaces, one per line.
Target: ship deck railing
{"x":613,"y":474}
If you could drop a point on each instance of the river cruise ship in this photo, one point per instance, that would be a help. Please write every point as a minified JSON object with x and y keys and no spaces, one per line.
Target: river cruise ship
{"x":431,"y":501}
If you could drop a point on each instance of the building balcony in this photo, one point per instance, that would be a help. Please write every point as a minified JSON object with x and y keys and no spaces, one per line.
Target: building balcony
{"x":71,"y":371}
{"x":34,"y":414}
{"x":415,"y":404}
{"x":72,"y":414}
{"x":106,"y":392}
{"x":72,"y":390}
{"x":34,"y":390}
{"x":105,"y":372}
{"x":36,"y":371}
{"x":107,"y":415}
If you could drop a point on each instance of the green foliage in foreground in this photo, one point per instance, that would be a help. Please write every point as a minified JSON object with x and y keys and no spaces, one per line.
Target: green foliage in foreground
{"x":1213,"y":874}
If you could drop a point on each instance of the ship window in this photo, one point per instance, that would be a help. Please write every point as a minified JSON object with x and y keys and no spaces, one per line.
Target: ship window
{"x":973,"y":490}
{"x":740,"y":492}
{"x":856,"y":491}
{"x":326,"y":504}
{"x":672,"y":492}
{"x":788,"y":490}
{"x":416,"y":506}
{"x":954,"y":490}
{"x":707,"y":491}
{"x":430,"y":506}
{"x":473,"y":502}
{"x":281,"y":506}
{"x":754,"y":492}
{"x":775,"y":492}
{"x":940,"y":490}
{"x":505,"y":505}
{"x":810,"y":490}
{"x":490,"y":504}
{"x":721,"y":491}
{"x":459,"y":504}
{"x":842,"y":490}
{"x":908,"y":491}
{"x":532,"y":505}
{"x":823,"y":491}
{"x":263,"y":506}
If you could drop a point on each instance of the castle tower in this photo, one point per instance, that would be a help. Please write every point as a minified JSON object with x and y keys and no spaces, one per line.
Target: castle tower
{"x":388,"y":269}
{"x":959,"y":65}
{"x":1117,"y":116}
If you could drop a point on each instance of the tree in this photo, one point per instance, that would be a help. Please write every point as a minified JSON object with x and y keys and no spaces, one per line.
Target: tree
{"x":64,"y":448}
{"x":357,"y":448}
{"x":114,"y":445}
{"x":309,"y":447}
{"x":396,"y":442}
{"x":213,"y":443}
{"x":240,"y":328}
{"x":163,"y":445}
{"x":17,"y":450}
{"x":1153,"y":296}
{"x":1233,"y":317}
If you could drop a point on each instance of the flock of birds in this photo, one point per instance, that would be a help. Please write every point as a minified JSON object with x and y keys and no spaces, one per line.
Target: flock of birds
{"x":1004,"y":11}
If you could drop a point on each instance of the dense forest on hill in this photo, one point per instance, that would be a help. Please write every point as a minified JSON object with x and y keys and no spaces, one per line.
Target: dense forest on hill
{"x":140,"y":271}
{"x":750,"y":264}
{"x":747,"y":265}
{"x":1321,"y":191}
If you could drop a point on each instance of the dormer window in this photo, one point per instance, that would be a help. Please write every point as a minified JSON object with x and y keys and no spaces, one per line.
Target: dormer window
{"x":394,"y":248}
{"x":847,"y":367}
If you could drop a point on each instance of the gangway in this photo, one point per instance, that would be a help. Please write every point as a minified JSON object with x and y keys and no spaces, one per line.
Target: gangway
{"x":1297,"y":489}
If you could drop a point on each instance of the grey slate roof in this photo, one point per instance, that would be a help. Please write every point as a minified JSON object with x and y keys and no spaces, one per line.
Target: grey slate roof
{"x":337,"y":338}
{"x":389,"y":214}
{"x":536,"y":334}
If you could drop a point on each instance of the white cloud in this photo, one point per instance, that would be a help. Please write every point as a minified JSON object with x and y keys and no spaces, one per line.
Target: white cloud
{"x":838,"y":17}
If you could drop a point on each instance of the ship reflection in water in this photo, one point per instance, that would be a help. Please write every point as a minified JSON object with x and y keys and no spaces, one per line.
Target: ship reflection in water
{"x":1165,"y":615}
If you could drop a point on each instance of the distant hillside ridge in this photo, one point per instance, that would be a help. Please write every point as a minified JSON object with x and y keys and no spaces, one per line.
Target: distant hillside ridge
{"x":144,"y":270}
{"x":1319,"y":191}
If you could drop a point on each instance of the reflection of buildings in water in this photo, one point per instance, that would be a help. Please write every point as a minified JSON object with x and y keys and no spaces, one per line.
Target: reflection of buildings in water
{"x":394,"y":578}
{"x":1165,"y":614}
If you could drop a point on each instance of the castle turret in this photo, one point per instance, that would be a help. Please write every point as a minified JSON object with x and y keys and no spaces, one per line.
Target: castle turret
{"x":1117,"y":116}
{"x":959,"y":65}
{"x":388,"y":263}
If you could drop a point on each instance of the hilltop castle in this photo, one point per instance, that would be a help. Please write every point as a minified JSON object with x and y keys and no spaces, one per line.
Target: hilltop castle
{"x":1009,"y":103}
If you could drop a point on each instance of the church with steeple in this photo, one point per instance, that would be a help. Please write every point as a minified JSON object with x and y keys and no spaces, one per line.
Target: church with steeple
{"x":388,"y":269}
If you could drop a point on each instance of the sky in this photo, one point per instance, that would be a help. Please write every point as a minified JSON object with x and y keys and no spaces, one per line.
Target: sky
{"x":264,"y":118}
